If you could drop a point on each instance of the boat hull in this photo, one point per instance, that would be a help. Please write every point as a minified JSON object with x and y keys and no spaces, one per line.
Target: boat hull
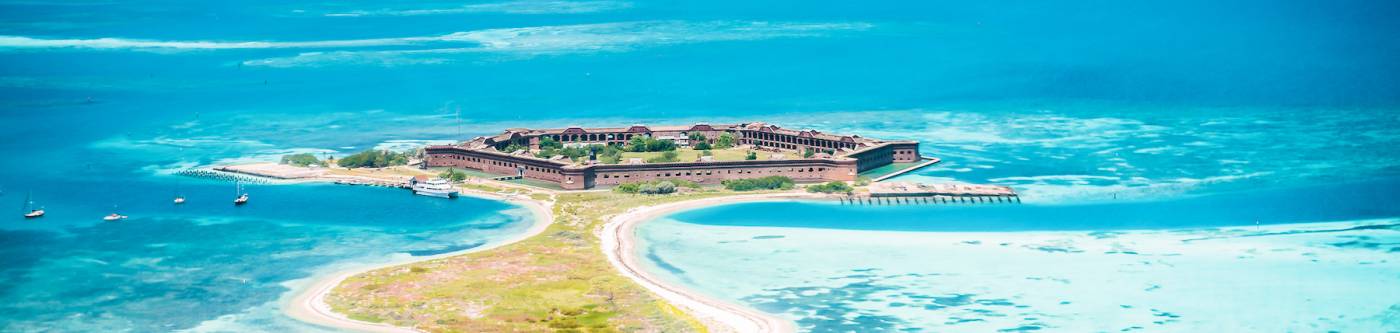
{"x":436,"y":194}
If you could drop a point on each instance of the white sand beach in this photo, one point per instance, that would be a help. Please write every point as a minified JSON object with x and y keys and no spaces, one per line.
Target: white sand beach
{"x":619,"y":242}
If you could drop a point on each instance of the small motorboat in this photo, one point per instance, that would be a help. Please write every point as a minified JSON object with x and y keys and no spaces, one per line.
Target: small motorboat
{"x":114,"y":217}
{"x":179,"y":200}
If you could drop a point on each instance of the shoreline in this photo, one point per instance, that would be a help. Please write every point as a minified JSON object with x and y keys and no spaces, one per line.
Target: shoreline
{"x":309,"y":306}
{"x":619,"y":243}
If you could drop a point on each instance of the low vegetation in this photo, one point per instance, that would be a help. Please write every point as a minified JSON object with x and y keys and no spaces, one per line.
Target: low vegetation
{"x":607,"y":154}
{"x":665,"y":157}
{"x":863,"y":180}
{"x":691,"y":155}
{"x":557,"y":281}
{"x":832,"y":187}
{"x":513,"y":147}
{"x":373,"y":159}
{"x":302,"y":160}
{"x":655,"y":186}
{"x":763,"y":183}
{"x":453,"y":175}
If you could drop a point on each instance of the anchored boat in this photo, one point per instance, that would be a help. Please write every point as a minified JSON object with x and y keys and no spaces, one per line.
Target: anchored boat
{"x":436,"y":187}
{"x":30,"y":212}
{"x":242,"y":197}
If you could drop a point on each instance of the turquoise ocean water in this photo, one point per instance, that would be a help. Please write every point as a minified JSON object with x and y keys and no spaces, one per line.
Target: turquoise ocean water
{"x":1155,"y":115}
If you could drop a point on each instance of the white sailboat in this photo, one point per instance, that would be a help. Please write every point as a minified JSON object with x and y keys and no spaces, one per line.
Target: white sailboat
{"x":179,"y":198}
{"x":29,"y":211}
{"x":242,"y":197}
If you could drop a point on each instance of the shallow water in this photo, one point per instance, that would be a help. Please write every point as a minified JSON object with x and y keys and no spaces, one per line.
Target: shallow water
{"x":1102,"y":107}
{"x":1308,"y":277}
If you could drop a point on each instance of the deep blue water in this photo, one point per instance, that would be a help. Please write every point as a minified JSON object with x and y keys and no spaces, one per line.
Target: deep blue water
{"x":207,"y":258}
{"x":1076,"y":104}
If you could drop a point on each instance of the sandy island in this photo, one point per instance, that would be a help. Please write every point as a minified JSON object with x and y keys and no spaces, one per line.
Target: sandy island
{"x":309,"y":305}
{"x":618,"y":243}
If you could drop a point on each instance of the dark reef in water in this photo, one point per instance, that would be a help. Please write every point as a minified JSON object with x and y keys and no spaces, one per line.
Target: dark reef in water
{"x":445,"y":249}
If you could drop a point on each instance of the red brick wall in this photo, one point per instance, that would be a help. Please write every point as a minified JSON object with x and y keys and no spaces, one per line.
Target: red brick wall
{"x":811,"y":171}
{"x":500,"y":165}
{"x":588,"y":177}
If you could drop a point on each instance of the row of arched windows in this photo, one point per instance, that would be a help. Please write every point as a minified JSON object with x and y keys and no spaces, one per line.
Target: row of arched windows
{"x":591,"y":137}
{"x":792,"y":142}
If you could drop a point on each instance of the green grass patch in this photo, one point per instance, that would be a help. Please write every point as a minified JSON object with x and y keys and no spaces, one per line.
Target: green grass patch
{"x":692,"y":155}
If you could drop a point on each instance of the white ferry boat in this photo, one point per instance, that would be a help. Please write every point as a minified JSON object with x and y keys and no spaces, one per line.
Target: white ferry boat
{"x":436,"y":187}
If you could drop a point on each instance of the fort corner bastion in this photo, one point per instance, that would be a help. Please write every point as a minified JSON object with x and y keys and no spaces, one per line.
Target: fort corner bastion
{"x":832,"y":158}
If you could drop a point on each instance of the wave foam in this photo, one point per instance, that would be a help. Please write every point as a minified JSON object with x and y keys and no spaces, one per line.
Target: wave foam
{"x":509,"y":7}
{"x":525,"y":42}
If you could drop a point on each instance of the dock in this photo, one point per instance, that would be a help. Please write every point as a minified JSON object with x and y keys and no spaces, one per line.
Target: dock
{"x":915,"y":193}
{"x":368,"y":181}
{"x":222,"y":176}
{"x":274,"y":170}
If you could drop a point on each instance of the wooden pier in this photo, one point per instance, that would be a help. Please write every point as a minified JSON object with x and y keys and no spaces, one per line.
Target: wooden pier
{"x":903,"y":193}
{"x":222,"y":175}
{"x":367,"y":181}
{"x":274,"y":170}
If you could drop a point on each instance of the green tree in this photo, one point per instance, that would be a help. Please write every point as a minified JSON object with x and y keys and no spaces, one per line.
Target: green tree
{"x":725,"y":141}
{"x":809,"y":153}
{"x":751,"y":156}
{"x":453,"y":175}
{"x":637,"y":144}
{"x":373,"y":159}
{"x":610,"y":155}
{"x":697,"y":139}
{"x":303,"y":159}
{"x":548,"y":142}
